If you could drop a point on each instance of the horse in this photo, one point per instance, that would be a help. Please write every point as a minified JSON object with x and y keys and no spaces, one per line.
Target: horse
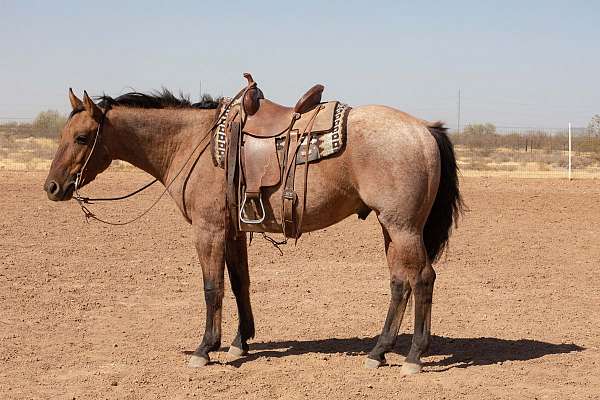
{"x":396,"y":165}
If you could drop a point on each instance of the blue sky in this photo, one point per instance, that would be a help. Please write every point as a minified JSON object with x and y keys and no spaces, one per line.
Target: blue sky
{"x":517,"y":63}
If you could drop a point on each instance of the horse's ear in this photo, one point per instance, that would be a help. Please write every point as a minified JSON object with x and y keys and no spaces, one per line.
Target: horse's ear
{"x":91,"y":107}
{"x":75,"y":102}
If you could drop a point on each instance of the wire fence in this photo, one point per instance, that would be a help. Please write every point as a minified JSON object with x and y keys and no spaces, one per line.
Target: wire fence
{"x":481,"y":149}
{"x":30,"y":146}
{"x":527,"y":152}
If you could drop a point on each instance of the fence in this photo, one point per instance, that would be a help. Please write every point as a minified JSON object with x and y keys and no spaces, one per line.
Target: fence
{"x":480,"y":150}
{"x":527,"y":152}
{"x":30,"y":146}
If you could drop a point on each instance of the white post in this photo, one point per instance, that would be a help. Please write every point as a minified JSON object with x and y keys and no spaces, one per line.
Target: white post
{"x":570,"y":151}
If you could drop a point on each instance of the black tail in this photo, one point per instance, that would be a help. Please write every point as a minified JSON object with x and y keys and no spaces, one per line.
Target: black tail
{"x":448,"y":204}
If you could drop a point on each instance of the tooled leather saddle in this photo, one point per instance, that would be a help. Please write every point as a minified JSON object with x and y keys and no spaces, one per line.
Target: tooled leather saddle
{"x":259,"y":143}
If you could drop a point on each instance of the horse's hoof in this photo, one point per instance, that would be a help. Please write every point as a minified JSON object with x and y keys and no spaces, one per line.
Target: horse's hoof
{"x":372,"y":364}
{"x":409,"y":368}
{"x":197,"y":361}
{"x":235,"y":352}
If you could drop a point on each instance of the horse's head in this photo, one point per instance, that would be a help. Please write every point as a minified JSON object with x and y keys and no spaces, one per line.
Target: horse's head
{"x":81,"y":155}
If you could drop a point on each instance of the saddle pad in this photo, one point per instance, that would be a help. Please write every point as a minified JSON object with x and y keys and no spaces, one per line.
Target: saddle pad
{"x":219,"y":139}
{"x":328,"y":143}
{"x":323,"y":142}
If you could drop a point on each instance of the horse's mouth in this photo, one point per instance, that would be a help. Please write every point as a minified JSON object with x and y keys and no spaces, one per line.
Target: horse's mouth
{"x":68,"y":193}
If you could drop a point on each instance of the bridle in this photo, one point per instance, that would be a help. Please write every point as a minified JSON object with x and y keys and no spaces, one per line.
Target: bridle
{"x":80,"y":177}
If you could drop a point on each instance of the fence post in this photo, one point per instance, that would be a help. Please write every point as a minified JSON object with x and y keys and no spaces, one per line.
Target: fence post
{"x":570,"y":151}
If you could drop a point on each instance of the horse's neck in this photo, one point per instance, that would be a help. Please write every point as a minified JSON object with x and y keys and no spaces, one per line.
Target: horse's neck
{"x":151,"y":138}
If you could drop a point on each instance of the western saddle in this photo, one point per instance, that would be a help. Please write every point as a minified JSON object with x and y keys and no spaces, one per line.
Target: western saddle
{"x":264,"y":142}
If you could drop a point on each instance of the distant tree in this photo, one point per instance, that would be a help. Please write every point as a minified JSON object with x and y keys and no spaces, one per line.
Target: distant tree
{"x":593,"y":127}
{"x":480,"y":129}
{"x":48,"y":123}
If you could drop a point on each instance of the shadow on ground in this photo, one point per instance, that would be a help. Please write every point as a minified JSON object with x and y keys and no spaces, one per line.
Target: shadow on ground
{"x":458,"y":352}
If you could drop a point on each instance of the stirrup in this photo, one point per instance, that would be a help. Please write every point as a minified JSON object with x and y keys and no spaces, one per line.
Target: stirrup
{"x":252,"y":221}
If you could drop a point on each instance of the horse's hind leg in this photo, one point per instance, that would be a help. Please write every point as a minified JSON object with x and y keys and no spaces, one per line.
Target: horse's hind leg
{"x":422,"y":284}
{"x":236,"y":257}
{"x":400,"y":290}
{"x":406,"y":260}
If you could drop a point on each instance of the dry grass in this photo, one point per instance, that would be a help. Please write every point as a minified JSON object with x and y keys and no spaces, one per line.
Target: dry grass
{"x":32,"y":154}
{"x":18,"y":153}
{"x":536,"y":163}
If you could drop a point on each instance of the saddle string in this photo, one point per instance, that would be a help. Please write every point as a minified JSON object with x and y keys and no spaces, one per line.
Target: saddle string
{"x":276,"y":243}
{"x":88,"y":214}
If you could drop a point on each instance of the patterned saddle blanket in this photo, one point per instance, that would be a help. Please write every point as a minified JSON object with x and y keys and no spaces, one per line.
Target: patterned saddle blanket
{"x":323,"y":143}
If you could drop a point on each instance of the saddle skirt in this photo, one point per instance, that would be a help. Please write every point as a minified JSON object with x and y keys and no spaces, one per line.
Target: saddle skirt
{"x":328,"y":132}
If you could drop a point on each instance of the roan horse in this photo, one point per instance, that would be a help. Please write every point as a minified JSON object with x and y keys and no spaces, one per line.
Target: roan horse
{"x":399,"y":166}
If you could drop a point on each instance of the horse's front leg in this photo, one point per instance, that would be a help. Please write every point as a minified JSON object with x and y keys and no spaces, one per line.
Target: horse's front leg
{"x":210,"y":245}
{"x":237,"y":266}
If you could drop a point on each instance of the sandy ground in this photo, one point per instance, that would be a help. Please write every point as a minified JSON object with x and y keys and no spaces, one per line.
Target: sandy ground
{"x":91,"y":311}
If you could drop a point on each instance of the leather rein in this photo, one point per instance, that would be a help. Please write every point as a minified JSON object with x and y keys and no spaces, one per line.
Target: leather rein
{"x":80,"y":178}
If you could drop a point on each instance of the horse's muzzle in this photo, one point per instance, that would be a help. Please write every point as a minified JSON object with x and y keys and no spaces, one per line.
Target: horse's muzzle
{"x":56,"y":192}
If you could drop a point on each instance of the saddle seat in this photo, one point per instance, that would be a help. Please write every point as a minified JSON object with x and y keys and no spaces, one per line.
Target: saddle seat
{"x":267,"y":119}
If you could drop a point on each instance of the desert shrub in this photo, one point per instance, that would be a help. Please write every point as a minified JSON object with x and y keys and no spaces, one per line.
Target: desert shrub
{"x":477,"y":166}
{"x":503,"y":157}
{"x":504,"y":167}
{"x":48,"y":123}
{"x":580,"y":162}
{"x":543,"y":166}
{"x":482,"y":152}
{"x":5,"y":140}
{"x":593,"y":128}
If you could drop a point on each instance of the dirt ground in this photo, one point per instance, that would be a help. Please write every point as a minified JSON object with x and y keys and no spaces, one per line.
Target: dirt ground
{"x":91,"y":311}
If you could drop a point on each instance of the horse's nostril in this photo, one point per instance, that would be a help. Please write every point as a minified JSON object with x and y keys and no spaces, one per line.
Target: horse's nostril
{"x":53,"y":188}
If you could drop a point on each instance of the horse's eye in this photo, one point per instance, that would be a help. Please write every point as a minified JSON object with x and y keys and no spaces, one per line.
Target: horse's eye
{"x":81,"y":139}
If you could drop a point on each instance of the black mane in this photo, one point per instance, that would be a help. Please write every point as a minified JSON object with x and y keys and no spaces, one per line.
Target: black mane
{"x":158,"y":99}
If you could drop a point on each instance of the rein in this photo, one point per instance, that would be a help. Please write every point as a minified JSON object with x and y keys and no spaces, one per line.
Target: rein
{"x":79,"y":179}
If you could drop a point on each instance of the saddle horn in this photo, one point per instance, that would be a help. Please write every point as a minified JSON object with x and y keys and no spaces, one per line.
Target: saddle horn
{"x":253,"y":94}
